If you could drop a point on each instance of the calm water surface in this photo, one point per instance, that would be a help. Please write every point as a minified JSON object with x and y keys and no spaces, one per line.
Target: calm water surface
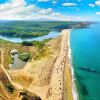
{"x":17,"y":63}
{"x":85,"y":45}
{"x":52,"y":34}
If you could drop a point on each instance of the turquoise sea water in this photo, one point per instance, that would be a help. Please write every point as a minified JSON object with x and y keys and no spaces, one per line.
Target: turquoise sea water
{"x":85,"y":45}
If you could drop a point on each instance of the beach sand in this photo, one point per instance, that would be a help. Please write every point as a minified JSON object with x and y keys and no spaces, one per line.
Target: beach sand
{"x":61,"y":79}
{"x":68,"y":82}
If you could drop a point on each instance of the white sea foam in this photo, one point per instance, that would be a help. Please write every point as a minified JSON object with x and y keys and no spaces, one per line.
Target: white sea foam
{"x":74,"y":90}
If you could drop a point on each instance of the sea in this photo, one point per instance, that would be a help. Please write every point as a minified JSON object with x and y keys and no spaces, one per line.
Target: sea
{"x":85,"y":51}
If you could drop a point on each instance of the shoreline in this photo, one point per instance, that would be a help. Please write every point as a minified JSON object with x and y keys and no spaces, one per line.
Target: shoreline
{"x":74,"y":89}
{"x":57,"y":87}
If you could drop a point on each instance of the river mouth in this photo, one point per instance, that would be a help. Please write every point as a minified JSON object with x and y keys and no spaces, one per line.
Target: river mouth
{"x":52,"y":34}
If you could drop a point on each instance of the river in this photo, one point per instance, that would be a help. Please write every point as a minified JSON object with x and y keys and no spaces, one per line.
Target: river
{"x":52,"y":34}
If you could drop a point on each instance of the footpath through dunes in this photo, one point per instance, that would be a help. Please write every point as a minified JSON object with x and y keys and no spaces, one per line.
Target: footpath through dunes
{"x":5,"y":73}
{"x":3,"y":79}
{"x":57,"y":88}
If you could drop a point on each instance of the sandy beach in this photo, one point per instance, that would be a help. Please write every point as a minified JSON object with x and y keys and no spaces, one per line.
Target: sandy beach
{"x":59,"y":88}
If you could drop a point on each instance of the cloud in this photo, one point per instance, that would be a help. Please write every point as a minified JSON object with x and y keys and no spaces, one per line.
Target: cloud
{"x":19,"y":10}
{"x":92,"y":5}
{"x":97,"y":3}
{"x":46,"y":11}
{"x":54,"y":2}
{"x":43,"y":0}
{"x":56,"y":14}
{"x":98,"y":13}
{"x":15,"y":9}
{"x":69,"y":4}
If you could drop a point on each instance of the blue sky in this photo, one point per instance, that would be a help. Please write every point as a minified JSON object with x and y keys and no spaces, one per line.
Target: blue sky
{"x":50,"y":10}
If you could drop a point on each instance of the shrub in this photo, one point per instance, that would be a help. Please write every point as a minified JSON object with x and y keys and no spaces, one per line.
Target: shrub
{"x":38,"y":44}
{"x":24,"y":56}
{"x":27,"y":43}
{"x":10,"y":87}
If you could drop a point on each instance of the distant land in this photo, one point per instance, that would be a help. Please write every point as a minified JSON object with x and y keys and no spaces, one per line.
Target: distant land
{"x":29,"y":29}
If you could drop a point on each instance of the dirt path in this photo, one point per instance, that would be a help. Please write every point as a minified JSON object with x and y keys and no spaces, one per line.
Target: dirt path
{"x":6,"y":73}
{"x":56,"y":90}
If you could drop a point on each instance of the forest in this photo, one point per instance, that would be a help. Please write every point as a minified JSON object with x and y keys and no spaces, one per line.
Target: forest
{"x":30,"y":29}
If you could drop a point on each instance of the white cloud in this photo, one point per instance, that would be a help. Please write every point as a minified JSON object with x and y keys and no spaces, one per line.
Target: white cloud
{"x":92,"y":5}
{"x":46,"y":11}
{"x":19,"y":10}
{"x":98,"y":13}
{"x":43,"y":0}
{"x":16,"y":9}
{"x":56,"y":14}
{"x":97,"y":3}
{"x":54,"y":2}
{"x":15,"y":3}
{"x":69,"y":4}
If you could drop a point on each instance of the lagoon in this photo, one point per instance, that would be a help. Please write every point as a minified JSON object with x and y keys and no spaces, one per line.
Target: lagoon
{"x":52,"y":34}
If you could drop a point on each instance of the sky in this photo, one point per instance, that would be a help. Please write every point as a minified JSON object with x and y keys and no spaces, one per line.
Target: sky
{"x":64,"y":10}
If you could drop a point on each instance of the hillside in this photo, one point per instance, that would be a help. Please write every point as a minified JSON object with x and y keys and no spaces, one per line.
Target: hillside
{"x":36,"y":79}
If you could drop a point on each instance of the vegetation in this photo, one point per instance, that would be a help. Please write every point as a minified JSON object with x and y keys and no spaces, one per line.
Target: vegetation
{"x":10,"y":60}
{"x":24,"y":56}
{"x":41,"y":47}
{"x":42,"y":53}
{"x":29,"y":29}
{"x":27,"y":43}
{"x":8,"y":46}
{"x":39,"y":44}
{"x":46,"y":40}
{"x":10,"y":87}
